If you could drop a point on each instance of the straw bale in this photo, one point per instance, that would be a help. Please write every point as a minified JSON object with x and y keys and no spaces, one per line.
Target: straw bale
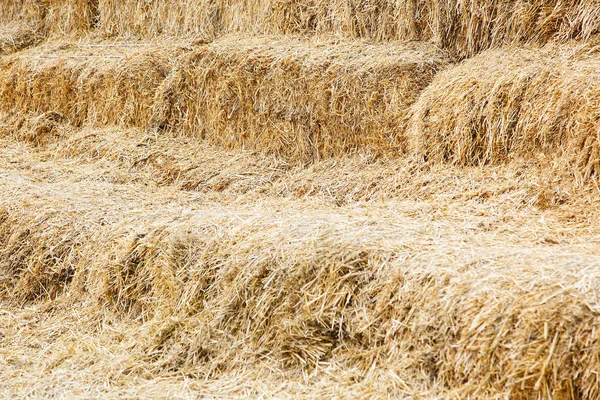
{"x":299,"y":285}
{"x":464,"y":27}
{"x":302,"y":100}
{"x":17,"y":36}
{"x":51,"y":16}
{"x":531,"y":102}
{"x":100,"y":83}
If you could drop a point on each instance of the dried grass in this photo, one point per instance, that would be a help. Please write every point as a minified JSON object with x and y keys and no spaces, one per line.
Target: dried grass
{"x":302,"y":100}
{"x":376,"y":289}
{"x":101,"y":83}
{"x":133,"y":156}
{"x":464,"y":27}
{"x":56,"y":17}
{"x":513,"y":103}
{"x":17,"y":36}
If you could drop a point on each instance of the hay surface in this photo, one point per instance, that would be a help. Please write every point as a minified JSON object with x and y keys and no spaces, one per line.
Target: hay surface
{"x":142,"y":157}
{"x":380,"y":290}
{"x":513,"y":103}
{"x":17,"y":36}
{"x":464,"y":27}
{"x":94,"y":83}
{"x":457,"y":298}
{"x":51,"y":17}
{"x":303,"y":100}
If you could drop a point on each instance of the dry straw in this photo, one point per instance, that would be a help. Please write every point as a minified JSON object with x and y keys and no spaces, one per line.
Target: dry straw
{"x":107,"y":83}
{"x":514,"y":102}
{"x":17,"y":36}
{"x":301,"y":285}
{"x":464,"y":27}
{"x":51,"y":16}
{"x":299,"y":99}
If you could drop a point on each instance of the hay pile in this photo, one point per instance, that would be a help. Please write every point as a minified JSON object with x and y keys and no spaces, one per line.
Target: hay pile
{"x":302,"y":100}
{"x":525,"y":102}
{"x":56,"y":17}
{"x":96,"y":83}
{"x":17,"y":36}
{"x":379,"y":290}
{"x":136,"y":156}
{"x":464,"y":27}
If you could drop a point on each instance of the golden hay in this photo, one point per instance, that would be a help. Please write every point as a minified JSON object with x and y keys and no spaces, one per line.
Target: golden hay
{"x":465,"y":27}
{"x":135,"y":156}
{"x":51,"y":16}
{"x":302,"y":100}
{"x":17,"y":36}
{"x":392,"y":288}
{"x":102,"y":83}
{"x":513,"y":103}
{"x":470,"y":26}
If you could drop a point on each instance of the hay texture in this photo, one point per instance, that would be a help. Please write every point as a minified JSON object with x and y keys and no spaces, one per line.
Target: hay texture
{"x":300,"y":285}
{"x":468,"y":27}
{"x":51,"y":16}
{"x":375,"y":19}
{"x":99,"y":83}
{"x":526,"y":102}
{"x":463,"y":27}
{"x":17,"y":36}
{"x":302,"y":100}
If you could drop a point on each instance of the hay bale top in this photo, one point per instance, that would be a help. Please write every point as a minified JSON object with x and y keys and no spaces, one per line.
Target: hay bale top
{"x":325,"y":51}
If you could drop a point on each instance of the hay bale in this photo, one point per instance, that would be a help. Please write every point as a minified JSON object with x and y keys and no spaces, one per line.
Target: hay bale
{"x":508,"y":103}
{"x":51,"y":17}
{"x":463,"y":27}
{"x":18,"y":36}
{"x":96,"y":83}
{"x":221,"y":286}
{"x":302,"y":100}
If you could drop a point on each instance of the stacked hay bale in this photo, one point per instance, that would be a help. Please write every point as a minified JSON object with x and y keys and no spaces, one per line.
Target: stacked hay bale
{"x":219,"y":286}
{"x":463,"y":27}
{"x":93,"y":83}
{"x":514,"y":102}
{"x":302,"y":100}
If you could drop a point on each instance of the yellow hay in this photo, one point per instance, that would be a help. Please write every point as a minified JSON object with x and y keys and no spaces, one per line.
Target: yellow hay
{"x":220,"y":286}
{"x":17,"y":36}
{"x":102,"y":83}
{"x":465,"y":27}
{"x":51,"y":16}
{"x":513,"y":102}
{"x":302,"y":100}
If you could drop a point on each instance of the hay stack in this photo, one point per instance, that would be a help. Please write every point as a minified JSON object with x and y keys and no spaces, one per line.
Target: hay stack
{"x":463,"y":27}
{"x":17,"y":36}
{"x":51,"y":16}
{"x":299,"y":99}
{"x":99,"y":83}
{"x":514,"y":103}
{"x":369,"y":288}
